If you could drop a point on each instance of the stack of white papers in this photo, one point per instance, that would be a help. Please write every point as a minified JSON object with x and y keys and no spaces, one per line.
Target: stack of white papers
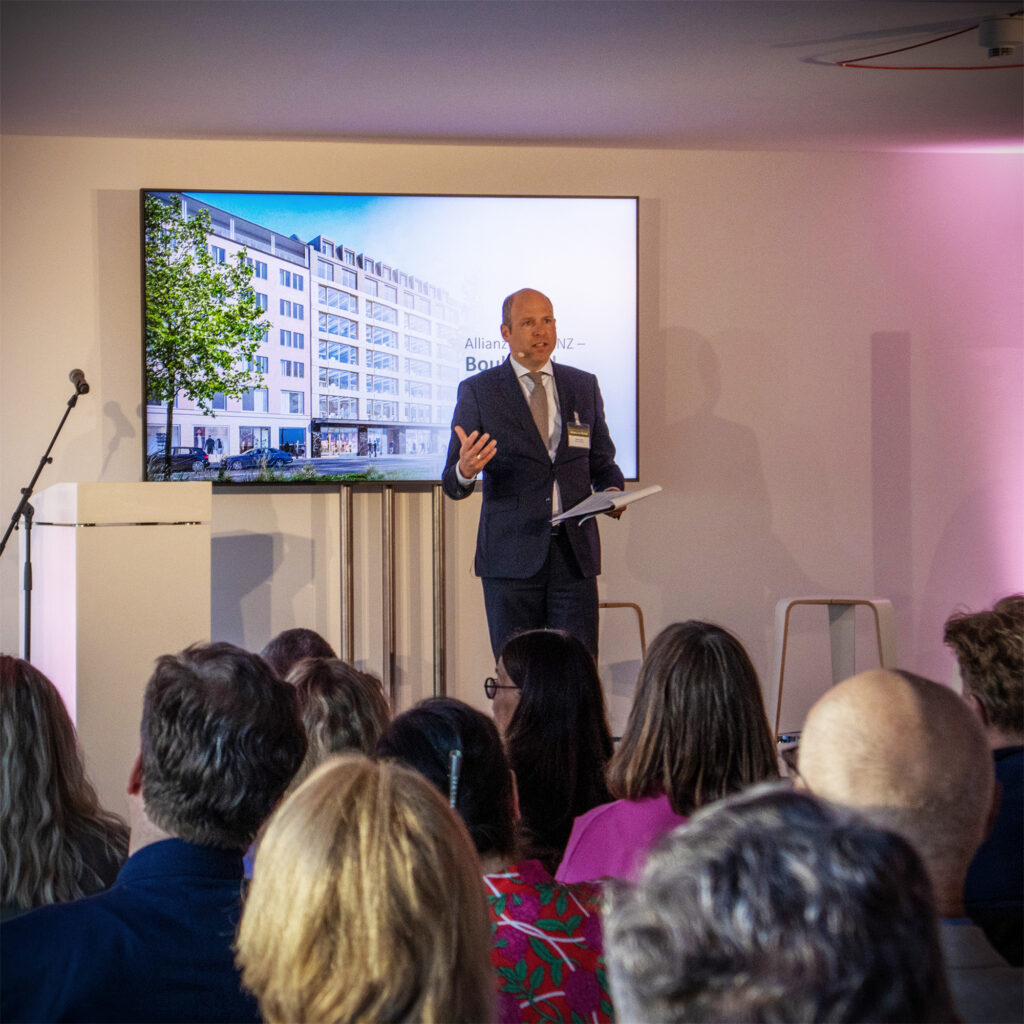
{"x":604,"y":501}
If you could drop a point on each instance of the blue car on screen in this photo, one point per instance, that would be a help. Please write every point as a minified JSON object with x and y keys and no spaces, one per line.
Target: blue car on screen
{"x":257,"y":458}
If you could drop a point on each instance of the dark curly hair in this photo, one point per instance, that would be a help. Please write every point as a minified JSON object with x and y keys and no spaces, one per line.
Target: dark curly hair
{"x":221,"y":740}
{"x":989,"y":647}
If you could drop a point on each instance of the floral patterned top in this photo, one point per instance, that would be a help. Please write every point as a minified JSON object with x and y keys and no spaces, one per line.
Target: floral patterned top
{"x":547,"y":949}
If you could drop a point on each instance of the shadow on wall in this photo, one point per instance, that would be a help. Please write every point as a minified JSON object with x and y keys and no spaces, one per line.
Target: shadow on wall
{"x":119,"y":428}
{"x":892,"y":506}
{"x":243,"y":569}
{"x":976,"y":563}
{"x":726,"y":558}
{"x":620,"y":662}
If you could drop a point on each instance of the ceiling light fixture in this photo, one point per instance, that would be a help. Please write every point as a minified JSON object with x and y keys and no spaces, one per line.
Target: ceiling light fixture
{"x":1001,"y":36}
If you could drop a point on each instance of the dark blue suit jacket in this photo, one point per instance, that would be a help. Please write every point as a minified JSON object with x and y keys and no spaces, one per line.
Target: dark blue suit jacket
{"x":156,"y":946}
{"x":515,"y":520}
{"x":994,"y":890}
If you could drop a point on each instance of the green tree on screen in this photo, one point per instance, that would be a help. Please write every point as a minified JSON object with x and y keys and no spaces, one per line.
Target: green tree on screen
{"x":204,"y":323}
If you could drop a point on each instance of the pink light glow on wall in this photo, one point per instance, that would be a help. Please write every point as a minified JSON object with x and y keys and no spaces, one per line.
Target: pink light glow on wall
{"x":968,"y":388}
{"x":980,"y":147}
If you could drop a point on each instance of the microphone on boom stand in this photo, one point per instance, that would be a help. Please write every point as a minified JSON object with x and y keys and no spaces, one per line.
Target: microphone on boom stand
{"x":24,"y":511}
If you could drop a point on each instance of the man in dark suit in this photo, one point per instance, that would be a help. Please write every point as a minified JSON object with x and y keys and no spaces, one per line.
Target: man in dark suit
{"x":539,"y":429}
{"x":221,"y":740}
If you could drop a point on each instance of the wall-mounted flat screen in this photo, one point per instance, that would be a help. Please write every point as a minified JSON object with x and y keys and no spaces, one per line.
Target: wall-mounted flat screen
{"x":295,"y":338}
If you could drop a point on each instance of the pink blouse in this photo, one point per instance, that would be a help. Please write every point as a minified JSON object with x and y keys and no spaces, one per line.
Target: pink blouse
{"x":613,"y":839}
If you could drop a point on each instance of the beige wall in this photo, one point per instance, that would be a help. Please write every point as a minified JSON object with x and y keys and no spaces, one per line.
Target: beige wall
{"x":830,"y":387}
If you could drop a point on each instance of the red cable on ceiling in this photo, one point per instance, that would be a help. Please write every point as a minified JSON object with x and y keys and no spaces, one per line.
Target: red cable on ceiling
{"x":854,"y":62}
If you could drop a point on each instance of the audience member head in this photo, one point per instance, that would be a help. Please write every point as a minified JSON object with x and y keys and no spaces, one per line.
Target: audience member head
{"x":49,"y":812}
{"x":773,"y":906}
{"x":341,"y":709}
{"x":221,"y":740}
{"x":697,"y":730}
{"x":366,"y":904}
{"x":989,"y":648}
{"x":907,"y":754}
{"x":556,"y":734}
{"x":424,"y":739}
{"x":287,"y":649}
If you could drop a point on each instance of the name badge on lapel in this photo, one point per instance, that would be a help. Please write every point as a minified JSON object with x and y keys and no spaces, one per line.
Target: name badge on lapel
{"x":579,"y":433}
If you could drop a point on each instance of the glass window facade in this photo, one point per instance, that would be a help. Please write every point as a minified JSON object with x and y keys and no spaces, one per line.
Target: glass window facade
{"x":347,"y":380}
{"x":382,"y":336}
{"x":340,"y":326}
{"x":417,"y":367}
{"x":378,"y":311}
{"x":293,"y":401}
{"x":334,"y":407}
{"x":381,"y":360}
{"x":339,"y":352}
{"x":337,"y":299}
{"x":381,"y":385}
{"x":255,"y":400}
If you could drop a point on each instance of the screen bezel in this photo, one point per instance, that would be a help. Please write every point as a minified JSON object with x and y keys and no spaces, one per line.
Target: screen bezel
{"x":263,"y":481}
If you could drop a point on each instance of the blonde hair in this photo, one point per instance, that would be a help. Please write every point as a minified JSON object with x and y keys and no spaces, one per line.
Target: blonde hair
{"x":367,"y":904}
{"x":54,"y":835}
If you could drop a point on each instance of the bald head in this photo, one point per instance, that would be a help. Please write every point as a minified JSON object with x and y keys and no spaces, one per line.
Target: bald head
{"x":909,"y":755}
{"x":523,"y":294}
{"x":528,"y":325}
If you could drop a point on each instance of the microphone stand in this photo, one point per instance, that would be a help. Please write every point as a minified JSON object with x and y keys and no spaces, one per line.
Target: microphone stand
{"x":26,"y":511}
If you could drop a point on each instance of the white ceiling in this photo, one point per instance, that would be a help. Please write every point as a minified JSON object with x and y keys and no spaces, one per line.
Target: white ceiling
{"x":721,"y":74}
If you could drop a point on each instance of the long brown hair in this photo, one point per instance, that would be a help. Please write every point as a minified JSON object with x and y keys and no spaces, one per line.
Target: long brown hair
{"x":558,"y":739}
{"x":50,"y":815}
{"x":697,"y":730}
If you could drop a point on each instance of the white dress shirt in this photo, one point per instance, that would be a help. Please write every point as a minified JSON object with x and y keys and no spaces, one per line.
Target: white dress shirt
{"x":554,"y":421}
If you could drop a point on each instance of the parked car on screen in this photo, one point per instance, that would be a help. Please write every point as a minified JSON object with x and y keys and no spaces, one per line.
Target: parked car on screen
{"x":183,"y":460}
{"x":256,"y":458}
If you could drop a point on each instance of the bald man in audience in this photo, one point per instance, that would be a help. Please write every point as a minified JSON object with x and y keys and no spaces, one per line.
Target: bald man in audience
{"x":909,"y":756}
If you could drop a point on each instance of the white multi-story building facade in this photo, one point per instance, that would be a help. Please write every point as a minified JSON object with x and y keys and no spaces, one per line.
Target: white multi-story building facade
{"x":386,"y":356}
{"x":361,"y":357}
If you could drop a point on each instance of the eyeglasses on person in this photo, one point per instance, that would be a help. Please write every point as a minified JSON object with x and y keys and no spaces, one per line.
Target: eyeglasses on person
{"x":492,"y":686}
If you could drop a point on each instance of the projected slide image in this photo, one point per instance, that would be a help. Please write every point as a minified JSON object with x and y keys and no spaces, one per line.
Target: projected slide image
{"x":373,"y":309}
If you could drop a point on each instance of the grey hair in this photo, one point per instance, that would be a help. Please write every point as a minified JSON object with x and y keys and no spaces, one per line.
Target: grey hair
{"x":774,"y":906}
{"x":221,"y":740}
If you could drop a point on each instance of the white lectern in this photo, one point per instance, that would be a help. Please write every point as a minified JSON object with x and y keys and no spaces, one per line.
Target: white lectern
{"x":121,"y":575}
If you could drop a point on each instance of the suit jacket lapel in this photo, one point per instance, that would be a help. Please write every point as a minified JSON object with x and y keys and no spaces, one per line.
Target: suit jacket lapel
{"x":566,"y":406}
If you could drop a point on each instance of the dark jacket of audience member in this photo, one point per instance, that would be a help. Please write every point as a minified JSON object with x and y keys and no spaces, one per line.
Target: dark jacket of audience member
{"x":773,"y":906}
{"x":289,"y":647}
{"x":989,"y":648}
{"x":56,"y":842}
{"x":547,"y":948}
{"x":697,"y":732}
{"x":558,"y":740}
{"x":220,"y":741}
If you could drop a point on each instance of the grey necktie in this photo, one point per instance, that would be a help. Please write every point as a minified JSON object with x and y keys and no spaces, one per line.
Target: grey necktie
{"x":539,"y":404}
